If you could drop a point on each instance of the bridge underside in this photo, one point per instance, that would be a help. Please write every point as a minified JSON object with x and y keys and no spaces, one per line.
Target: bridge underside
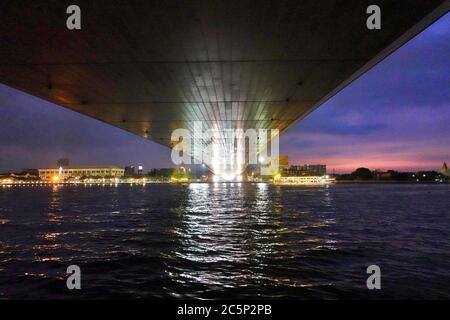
{"x":150,"y":67}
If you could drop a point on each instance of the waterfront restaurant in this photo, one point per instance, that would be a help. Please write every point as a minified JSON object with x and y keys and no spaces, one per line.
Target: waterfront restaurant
{"x":81,"y":171}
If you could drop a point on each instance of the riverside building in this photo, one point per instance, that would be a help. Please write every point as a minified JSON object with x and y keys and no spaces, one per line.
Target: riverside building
{"x":81,"y":171}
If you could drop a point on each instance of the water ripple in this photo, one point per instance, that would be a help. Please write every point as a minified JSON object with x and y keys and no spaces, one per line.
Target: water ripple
{"x":209,"y":241}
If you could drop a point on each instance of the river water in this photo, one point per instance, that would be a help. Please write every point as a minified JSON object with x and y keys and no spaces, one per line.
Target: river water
{"x":222,"y":240}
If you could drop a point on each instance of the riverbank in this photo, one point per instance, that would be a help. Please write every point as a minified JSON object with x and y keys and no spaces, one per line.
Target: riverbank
{"x":45,"y":183}
{"x":388,"y":182}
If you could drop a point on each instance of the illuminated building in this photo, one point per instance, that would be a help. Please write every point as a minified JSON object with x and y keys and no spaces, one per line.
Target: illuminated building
{"x":283,"y":161}
{"x":81,"y":171}
{"x":306,"y":170}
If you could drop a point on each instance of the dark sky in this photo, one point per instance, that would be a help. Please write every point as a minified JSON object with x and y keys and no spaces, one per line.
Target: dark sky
{"x":396,"y":116}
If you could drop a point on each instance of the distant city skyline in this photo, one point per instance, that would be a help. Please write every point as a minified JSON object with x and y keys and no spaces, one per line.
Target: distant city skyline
{"x":396,"y":116}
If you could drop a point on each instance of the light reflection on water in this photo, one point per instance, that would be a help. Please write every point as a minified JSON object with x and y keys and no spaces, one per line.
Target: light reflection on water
{"x":225,"y":240}
{"x":218,"y":235}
